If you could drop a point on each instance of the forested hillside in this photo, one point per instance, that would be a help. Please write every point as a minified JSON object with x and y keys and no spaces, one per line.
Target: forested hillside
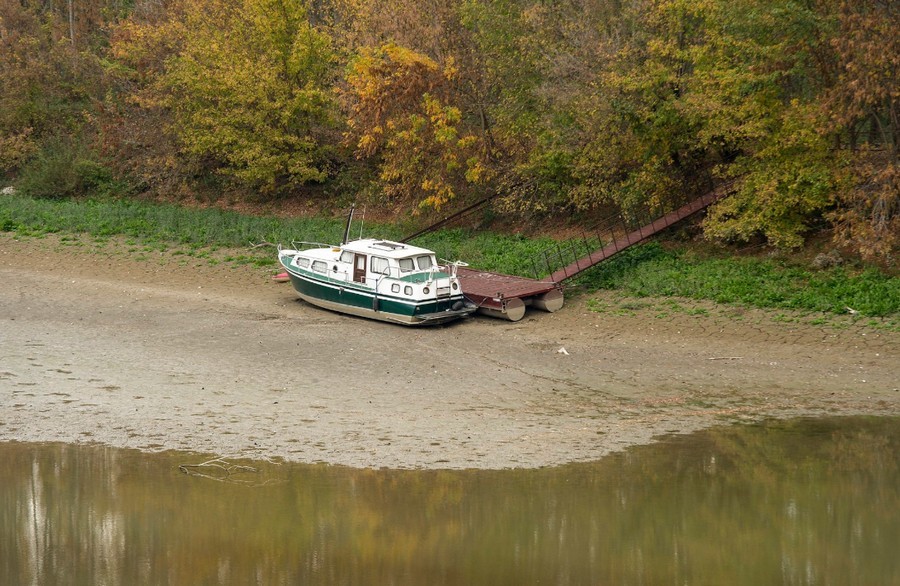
{"x":559,"y":106}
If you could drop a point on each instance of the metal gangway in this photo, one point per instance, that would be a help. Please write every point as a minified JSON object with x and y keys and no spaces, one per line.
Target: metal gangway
{"x":615,"y":235}
{"x":507,"y":296}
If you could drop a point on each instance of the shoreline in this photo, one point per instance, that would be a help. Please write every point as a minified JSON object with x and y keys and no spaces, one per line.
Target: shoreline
{"x":155,"y":351}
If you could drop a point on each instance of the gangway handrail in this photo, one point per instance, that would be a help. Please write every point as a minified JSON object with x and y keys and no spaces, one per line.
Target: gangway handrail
{"x":450,"y":218}
{"x":631,"y":237}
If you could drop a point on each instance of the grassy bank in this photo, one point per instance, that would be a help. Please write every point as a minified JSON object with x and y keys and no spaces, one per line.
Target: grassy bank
{"x":171,"y":225}
{"x":782,"y":284}
{"x":645,"y":271}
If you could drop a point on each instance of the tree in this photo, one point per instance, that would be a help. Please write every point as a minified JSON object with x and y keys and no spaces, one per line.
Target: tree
{"x":47,"y":88}
{"x":706,"y":89}
{"x":863,"y":108}
{"x":400,"y":116}
{"x":512,"y":40}
{"x":248,"y":87}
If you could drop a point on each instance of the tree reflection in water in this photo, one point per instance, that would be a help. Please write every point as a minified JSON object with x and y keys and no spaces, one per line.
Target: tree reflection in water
{"x":796,"y":502}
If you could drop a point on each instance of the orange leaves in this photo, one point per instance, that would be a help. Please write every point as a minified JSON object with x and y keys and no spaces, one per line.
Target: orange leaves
{"x":869,"y":217}
{"x":14,"y":148}
{"x":862,"y":110}
{"x":867,"y":48}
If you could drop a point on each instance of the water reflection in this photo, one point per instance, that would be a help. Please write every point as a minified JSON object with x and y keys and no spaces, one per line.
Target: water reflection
{"x":802,"y":502}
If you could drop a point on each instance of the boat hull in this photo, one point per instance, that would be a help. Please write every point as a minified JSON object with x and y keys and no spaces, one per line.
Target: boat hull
{"x":346,"y":298}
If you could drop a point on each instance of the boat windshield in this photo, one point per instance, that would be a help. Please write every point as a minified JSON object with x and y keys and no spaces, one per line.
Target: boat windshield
{"x":406,"y":265}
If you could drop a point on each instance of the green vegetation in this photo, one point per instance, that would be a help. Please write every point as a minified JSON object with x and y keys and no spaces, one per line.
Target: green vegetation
{"x":566,"y":108}
{"x":649,"y":271}
{"x":168,"y":225}
{"x":163,"y":224}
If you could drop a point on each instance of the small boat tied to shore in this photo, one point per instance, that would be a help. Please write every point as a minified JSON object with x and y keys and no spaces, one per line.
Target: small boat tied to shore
{"x":378,"y":279}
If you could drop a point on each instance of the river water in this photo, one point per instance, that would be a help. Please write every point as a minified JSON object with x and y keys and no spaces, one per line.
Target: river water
{"x":791,"y":502}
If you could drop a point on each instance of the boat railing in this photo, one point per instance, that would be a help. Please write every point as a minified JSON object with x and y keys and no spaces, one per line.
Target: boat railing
{"x":299,"y":244}
{"x":433,"y":272}
{"x":450,"y":267}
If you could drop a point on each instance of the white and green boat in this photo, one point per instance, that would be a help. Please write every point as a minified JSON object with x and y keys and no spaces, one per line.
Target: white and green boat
{"x":378,"y":279}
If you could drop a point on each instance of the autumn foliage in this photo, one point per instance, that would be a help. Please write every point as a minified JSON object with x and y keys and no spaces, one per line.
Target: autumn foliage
{"x":576,"y":105}
{"x":401,"y":116}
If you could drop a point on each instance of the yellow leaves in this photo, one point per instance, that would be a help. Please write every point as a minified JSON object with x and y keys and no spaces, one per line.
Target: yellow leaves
{"x":407,"y":58}
{"x":451,"y":71}
{"x":477,"y":173}
{"x":368,"y":142}
{"x":467,"y":142}
{"x":422,"y":156}
{"x":437,"y":198}
{"x":389,"y":78}
{"x":401,"y":119}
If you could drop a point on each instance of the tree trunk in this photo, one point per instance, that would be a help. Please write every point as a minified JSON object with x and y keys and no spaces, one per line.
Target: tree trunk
{"x":72,"y":22}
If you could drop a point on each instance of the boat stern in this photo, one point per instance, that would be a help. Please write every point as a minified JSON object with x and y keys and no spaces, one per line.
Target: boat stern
{"x":458,"y":310}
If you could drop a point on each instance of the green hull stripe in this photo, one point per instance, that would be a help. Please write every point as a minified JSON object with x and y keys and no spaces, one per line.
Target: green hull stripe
{"x":341,"y":293}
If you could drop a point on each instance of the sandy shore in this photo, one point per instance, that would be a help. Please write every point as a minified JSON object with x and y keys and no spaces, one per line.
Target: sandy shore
{"x":155,"y":351}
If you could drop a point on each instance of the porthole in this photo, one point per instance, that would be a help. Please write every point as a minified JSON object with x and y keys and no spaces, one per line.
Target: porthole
{"x":408,"y":290}
{"x":395,"y":288}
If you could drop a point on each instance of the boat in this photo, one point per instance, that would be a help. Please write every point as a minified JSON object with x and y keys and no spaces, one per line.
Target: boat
{"x":378,"y":279}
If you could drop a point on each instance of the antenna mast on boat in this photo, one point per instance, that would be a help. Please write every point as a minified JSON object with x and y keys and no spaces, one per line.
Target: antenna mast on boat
{"x":361,"y":222}
{"x":347,"y":228}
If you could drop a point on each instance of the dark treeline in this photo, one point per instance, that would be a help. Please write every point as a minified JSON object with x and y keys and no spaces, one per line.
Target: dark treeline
{"x":559,"y":106}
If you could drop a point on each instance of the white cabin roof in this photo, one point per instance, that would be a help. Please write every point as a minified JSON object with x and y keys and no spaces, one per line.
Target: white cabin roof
{"x":385,"y":248}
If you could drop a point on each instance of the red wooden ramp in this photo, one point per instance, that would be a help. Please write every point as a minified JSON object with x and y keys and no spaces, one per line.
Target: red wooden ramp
{"x":506,"y":296}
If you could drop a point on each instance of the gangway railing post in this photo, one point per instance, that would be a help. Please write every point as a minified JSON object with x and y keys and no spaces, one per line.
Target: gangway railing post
{"x":559,"y":255}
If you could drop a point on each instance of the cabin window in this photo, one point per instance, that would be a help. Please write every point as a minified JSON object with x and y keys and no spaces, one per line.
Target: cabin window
{"x":380,"y":266}
{"x":320,"y":266}
{"x":303,"y":263}
{"x":408,"y":290}
{"x":347,"y":257}
{"x":395,"y":288}
{"x":424,"y":262}
{"x":406,"y":265}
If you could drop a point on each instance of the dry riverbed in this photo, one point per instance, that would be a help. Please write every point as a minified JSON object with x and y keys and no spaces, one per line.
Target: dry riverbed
{"x":152,"y":350}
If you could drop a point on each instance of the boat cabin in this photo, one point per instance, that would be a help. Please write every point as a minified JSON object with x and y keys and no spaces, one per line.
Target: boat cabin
{"x":371,"y":261}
